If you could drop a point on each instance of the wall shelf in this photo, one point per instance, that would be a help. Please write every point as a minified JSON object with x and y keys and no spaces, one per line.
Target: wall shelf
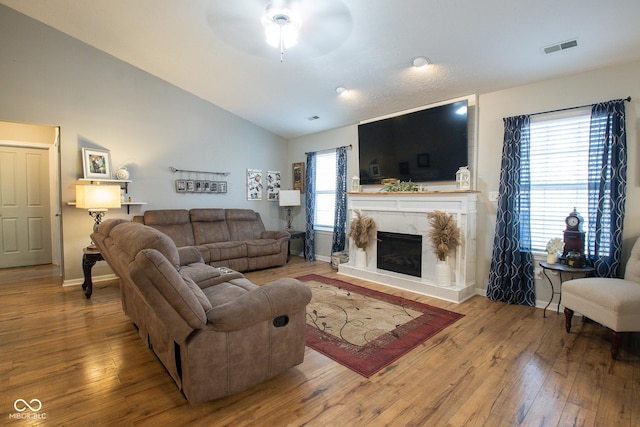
{"x":124,"y":183}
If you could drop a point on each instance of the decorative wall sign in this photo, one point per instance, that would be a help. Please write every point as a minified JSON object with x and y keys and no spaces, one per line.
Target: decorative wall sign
{"x":203,"y":186}
{"x":254,"y":184}
{"x":273,"y":185}
{"x":298,"y":176}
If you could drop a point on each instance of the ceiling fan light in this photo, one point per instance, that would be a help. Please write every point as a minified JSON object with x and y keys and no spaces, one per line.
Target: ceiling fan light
{"x":281,"y":27}
{"x":272,"y":33}
{"x":289,"y":35}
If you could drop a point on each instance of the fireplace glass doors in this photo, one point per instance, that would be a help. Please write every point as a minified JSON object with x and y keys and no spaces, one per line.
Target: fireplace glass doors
{"x":399,"y":252}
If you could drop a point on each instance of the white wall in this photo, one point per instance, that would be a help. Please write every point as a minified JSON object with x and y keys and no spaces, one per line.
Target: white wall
{"x":146,"y":123}
{"x":587,"y":88}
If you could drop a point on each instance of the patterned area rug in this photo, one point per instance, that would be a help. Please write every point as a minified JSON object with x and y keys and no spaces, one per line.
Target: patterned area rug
{"x":366,"y":330}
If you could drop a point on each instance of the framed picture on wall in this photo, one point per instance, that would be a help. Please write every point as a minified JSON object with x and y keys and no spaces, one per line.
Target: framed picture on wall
{"x":254,"y":184}
{"x":298,"y":176}
{"x":181,"y":185}
{"x":96,"y":163}
{"x":273,"y":185}
{"x":222,"y":186}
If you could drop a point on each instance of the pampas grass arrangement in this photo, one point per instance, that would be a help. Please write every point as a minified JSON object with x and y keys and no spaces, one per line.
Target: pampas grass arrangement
{"x":361,"y":229}
{"x":445,"y":235}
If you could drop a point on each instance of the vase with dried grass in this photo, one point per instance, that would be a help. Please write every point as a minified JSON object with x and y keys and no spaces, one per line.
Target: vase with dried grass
{"x":361,"y":229}
{"x":445,"y":236}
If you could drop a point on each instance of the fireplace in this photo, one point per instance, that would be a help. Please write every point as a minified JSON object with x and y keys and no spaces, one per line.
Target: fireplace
{"x":400,"y":252}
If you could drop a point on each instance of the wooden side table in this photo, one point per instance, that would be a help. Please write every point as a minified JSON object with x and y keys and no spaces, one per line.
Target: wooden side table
{"x":89,"y":258}
{"x":561,"y":268}
{"x":297,"y":235}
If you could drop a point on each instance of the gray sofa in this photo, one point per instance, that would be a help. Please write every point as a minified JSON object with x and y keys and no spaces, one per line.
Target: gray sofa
{"x":215,"y":332}
{"x":233,"y":238}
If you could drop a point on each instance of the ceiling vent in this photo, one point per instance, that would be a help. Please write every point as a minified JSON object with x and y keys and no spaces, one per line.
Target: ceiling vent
{"x":558,"y":47}
{"x":313,"y":118}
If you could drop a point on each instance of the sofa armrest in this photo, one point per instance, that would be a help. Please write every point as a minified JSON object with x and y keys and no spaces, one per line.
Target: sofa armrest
{"x":276,"y":235}
{"x":189,"y":255}
{"x":277,"y":298}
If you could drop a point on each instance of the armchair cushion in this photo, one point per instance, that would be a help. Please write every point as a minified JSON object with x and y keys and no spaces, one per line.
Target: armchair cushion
{"x":614,"y":303}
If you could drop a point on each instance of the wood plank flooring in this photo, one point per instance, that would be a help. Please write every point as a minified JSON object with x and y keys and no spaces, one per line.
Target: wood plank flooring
{"x":501,"y":365}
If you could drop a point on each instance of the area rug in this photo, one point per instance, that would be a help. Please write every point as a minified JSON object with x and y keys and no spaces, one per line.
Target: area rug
{"x":366,"y":330}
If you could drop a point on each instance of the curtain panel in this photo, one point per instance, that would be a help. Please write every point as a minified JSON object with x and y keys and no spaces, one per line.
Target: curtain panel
{"x":511,"y":271}
{"x":340,"y":217}
{"x":607,"y":187}
{"x":310,"y":205}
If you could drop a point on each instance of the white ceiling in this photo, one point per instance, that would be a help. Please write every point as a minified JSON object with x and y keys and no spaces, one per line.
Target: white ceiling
{"x":215,"y":49}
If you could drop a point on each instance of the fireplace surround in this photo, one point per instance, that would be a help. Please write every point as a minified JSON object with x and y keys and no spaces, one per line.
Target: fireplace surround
{"x":406,"y":213}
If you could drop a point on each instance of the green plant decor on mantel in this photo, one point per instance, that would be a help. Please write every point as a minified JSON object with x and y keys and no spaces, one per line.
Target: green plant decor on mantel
{"x":402,"y":186}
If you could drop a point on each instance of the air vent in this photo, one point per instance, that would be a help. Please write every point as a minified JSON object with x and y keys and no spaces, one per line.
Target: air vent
{"x":558,"y":47}
{"x":313,"y":118}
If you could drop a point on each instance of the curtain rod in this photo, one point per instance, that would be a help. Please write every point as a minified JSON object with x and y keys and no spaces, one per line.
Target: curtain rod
{"x":628,"y":99}
{"x":348,"y":147}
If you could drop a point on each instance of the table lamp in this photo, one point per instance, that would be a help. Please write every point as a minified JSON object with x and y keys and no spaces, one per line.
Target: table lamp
{"x":288,"y":199}
{"x":97,"y":199}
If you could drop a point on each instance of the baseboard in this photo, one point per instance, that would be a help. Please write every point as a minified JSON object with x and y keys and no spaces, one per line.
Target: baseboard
{"x":94,"y":280}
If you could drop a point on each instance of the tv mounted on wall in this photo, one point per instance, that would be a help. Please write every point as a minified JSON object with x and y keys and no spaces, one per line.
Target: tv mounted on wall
{"x":422,"y":146}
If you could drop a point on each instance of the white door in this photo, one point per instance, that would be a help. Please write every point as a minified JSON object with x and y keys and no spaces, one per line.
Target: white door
{"x":25,"y":224}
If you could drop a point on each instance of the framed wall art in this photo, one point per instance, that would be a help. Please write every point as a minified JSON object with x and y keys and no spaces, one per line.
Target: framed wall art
{"x":96,"y":163}
{"x":222,"y":186}
{"x":297,"y":171}
{"x":273,"y":185}
{"x":181,"y":186}
{"x":254,"y":184}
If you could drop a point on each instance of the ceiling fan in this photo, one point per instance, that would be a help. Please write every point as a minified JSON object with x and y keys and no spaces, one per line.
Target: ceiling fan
{"x":323,"y":25}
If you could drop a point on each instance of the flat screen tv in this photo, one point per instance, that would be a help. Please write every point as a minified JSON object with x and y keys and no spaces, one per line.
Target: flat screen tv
{"x":422,"y":146}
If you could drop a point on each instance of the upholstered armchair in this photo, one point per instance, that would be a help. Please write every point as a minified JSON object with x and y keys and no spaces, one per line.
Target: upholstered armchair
{"x":614,"y":303}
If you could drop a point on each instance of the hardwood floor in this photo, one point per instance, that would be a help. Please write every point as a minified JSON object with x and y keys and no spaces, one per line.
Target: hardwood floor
{"x":501,"y":365}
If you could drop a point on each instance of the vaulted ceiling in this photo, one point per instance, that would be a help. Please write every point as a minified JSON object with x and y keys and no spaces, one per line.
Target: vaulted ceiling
{"x":216,"y":50}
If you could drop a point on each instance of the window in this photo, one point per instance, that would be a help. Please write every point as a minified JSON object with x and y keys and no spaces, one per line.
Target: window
{"x":559,"y":173}
{"x":325,"y":190}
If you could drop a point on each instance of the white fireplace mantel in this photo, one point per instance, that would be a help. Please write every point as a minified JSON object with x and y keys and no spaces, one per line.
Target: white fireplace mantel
{"x":407,"y":213}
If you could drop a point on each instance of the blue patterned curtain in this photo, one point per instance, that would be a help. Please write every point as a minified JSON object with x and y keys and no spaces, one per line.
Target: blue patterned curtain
{"x":511,"y":272}
{"x":607,"y":186}
{"x":310,"y":193}
{"x":340,"y":218}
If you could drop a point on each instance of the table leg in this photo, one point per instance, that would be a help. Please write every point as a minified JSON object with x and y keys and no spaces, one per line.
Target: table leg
{"x":87,"y":265}
{"x":544,"y":312}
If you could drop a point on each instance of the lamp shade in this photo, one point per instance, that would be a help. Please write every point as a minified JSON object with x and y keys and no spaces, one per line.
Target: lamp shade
{"x":96,"y":197}
{"x":289,"y":198}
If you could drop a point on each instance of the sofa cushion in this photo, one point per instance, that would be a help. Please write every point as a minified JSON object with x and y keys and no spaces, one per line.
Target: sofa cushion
{"x":262,"y":247}
{"x":131,"y":238}
{"x":244,"y":224}
{"x":209,"y":226}
{"x":175,"y":223}
{"x":228,"y":291}
{"x":223,"y":251}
